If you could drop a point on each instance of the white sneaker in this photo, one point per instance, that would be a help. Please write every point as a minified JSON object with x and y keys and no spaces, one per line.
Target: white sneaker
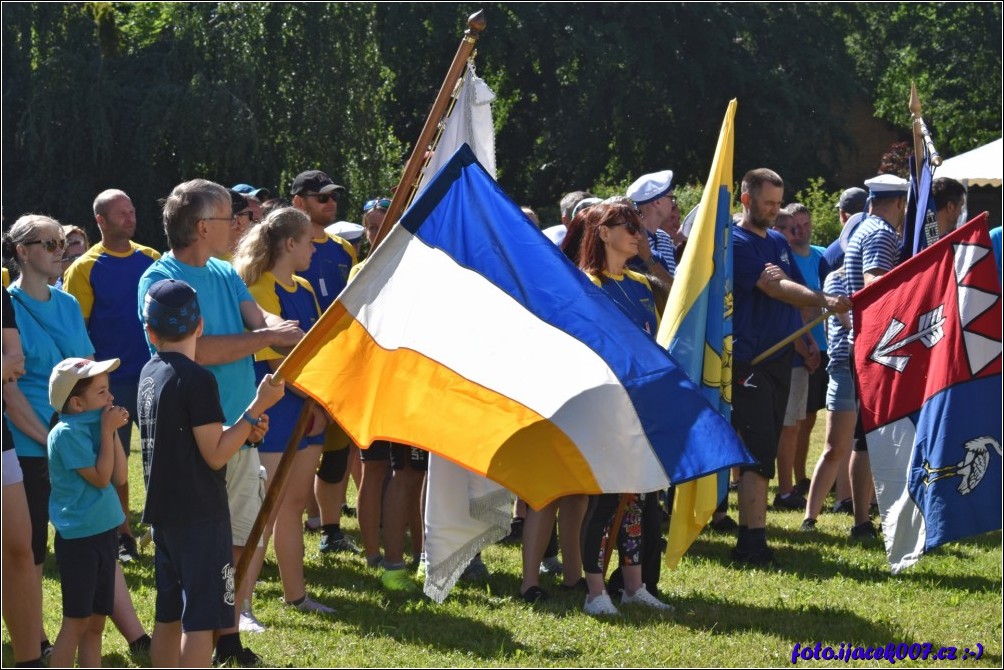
{"x":643,"y":597}
{"x":249,"y":623}
{"x":600,"y":605}
{"x":308,"y":604}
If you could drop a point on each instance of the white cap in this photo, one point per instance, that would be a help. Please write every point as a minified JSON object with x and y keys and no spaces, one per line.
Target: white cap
{"x":67,"y":373}
{"x":649,"y":187}
{"x":887,"y":185}
{"x":556,"y":234}
{"x":345,"y":230}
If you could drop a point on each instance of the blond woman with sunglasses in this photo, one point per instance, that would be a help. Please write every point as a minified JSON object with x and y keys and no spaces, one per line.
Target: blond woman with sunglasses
{"x":52,"y":329}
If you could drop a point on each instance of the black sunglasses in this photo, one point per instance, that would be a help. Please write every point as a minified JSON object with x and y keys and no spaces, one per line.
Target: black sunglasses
{"x":322,"y":198}
{"x":632,"y":227}
{"x":48,"y":245}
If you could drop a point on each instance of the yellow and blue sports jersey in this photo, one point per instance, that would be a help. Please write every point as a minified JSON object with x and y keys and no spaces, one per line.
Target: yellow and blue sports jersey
{"x":104,"y":283}
{"x":329,"y":268}
{"x":633,"y":294}
{"x":296,"y":302}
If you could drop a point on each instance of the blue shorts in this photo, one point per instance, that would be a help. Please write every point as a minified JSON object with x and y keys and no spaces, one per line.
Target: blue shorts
{"x":840,"y":395}
{"x":87,"y":573}
{"x":195,"y":575}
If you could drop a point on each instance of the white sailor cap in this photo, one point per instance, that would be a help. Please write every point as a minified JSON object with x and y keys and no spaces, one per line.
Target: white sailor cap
{"x":649,"y":187}
{"x":886,"y":186}
{"x":345,"y":230}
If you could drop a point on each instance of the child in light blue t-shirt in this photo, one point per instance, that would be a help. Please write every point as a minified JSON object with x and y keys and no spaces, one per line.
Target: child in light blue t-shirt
{"x":86,"y":462}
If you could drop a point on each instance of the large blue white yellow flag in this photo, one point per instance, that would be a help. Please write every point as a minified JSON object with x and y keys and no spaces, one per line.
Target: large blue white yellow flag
{"x":696,"y":328}
{"x":468,"y":333}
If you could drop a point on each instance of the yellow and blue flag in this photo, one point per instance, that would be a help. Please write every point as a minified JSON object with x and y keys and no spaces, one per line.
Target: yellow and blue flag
{"x":697,"y":330}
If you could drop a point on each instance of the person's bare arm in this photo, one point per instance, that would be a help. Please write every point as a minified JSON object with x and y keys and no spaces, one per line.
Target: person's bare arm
{"x":102,"y":472}
{"x":779,"y":286}
{"x":220,"y":349}
{"x":217,"y":445}
{"x":21,"y":414}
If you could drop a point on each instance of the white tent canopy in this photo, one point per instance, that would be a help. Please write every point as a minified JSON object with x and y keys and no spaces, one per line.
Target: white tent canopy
{"x":983,"y":166}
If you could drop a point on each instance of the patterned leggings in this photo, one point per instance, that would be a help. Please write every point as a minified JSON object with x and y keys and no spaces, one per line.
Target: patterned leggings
{"x":596,"y":527}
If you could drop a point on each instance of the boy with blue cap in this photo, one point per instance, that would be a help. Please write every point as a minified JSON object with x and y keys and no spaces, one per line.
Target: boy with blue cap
{"x":184,"y":439}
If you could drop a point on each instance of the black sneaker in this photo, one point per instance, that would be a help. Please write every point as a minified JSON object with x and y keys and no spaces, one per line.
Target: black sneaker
{"x":808,"y":526}
{"x":845,"y":506}
{"x":245,"y":658}
{"x":515,"y":531}
{"x":864,"y":531}
{"x":802,"y":487}
{"x":128,"y":551}
{"x":338,"y":542}
{"x":762,"y":557}
{"x":791,"y":501}
{"x":140,"y":646}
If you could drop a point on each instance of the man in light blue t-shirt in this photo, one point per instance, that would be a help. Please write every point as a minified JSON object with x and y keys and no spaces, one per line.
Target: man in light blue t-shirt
{"x":197,"y":219}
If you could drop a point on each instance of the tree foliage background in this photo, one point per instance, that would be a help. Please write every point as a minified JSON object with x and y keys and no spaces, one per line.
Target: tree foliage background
{"x":141,"y":96}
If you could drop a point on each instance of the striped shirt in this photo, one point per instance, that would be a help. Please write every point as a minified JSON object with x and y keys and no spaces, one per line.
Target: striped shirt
{"x":837,"y":337}
{"x":875,"y":246}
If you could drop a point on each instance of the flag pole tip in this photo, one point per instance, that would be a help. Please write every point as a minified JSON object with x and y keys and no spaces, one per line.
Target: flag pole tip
{"x":476,"y":22}
{"x":914,"y":100}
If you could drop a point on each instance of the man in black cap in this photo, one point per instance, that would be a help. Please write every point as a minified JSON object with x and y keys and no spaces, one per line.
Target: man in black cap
{"x":851,"y":204}
{"x":318,"y":196}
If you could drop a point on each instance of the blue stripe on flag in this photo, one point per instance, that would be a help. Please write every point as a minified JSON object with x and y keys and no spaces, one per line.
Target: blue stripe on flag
{"x":498,"y":242}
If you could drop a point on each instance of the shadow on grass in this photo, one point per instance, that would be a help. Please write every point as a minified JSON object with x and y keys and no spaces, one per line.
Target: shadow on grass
{"x":822,"y":556}
{"x":407,"y":619}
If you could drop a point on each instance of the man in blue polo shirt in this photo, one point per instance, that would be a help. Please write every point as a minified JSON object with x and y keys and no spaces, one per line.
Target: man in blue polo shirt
{"x":104,"y":281}
{"x":767,"y":298}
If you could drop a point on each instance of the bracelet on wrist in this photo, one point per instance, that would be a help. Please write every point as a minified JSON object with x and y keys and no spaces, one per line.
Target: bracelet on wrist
{"x":250,"y":419}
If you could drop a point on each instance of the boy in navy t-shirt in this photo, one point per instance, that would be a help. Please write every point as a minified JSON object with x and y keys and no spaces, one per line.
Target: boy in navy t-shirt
{"x":186,"y":448}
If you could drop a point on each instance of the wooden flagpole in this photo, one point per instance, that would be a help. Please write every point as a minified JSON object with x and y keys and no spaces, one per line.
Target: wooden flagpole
{"x":921,"y":135}
{"x":791,"y":338}
{"x":475,"y":25}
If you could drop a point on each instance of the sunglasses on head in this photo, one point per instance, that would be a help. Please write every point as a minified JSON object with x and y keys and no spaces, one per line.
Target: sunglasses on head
{"x":376,"y":203}
{"x":632,"y":227}
{"x":48,"y":245}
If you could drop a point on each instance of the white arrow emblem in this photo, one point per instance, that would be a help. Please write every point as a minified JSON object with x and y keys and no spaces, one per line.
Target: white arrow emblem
{"x":930,"y":331}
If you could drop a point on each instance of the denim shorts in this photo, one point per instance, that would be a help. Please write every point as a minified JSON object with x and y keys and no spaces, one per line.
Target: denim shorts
{"x":840,"y":393}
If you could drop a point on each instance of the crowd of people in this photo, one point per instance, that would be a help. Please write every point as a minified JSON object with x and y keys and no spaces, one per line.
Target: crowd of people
{"x":185,"y":344}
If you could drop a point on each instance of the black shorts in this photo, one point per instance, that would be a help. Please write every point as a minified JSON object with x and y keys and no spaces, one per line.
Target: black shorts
{"x":818,"y":381}
{"x":399,"y":455}
{"x":333,"y":466}
{"x":195,"y":575}
{"x":37,"y":489}
{"x":87,"y":573}
{"x":759,"y":399}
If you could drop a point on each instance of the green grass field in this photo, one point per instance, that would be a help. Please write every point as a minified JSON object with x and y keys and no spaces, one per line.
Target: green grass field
{"x":826,"y":590}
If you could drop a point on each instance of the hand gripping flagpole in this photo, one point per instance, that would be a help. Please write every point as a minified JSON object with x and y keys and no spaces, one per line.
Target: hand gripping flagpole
{"x":409,"y":181}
